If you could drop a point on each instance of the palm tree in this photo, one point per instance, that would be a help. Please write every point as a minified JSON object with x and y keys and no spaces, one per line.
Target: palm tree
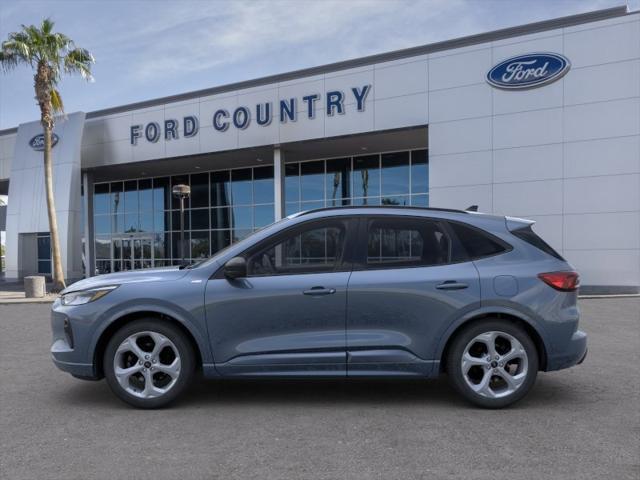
{"x":50,"y":55}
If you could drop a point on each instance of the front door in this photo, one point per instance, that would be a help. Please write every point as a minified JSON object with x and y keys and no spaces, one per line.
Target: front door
{"x":132,"y":253}
{"x":404,"y":295}
{"x":288,"y":316}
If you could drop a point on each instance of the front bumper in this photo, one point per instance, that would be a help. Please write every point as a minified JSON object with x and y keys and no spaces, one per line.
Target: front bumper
{"x":574,"y":353}
{"x":78,"y":370}
{"x":67,"y":353}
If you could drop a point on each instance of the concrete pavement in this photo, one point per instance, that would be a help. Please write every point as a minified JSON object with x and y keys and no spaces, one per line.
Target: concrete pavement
{"x":579,"y":423}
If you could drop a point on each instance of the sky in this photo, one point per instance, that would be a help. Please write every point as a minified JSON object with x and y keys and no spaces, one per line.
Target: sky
{"x":146,"y":49}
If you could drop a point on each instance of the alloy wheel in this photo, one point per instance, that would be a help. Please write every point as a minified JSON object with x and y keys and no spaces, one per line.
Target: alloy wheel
{"x":147,"y":364}
{"x":494,"y":364}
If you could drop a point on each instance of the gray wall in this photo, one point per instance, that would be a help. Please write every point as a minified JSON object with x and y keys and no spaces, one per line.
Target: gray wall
{"x":27,"y":209}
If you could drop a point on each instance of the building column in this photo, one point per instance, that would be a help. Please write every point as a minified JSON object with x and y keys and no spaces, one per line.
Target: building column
{"x":87,"y":212}
{"x":278,"y":182}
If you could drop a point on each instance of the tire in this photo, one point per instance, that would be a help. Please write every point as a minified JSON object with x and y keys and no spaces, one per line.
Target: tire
{"x":492,"y":378}
{"x":149,"y":349}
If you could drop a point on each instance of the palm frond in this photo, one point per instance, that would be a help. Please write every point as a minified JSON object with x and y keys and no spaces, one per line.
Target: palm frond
{"x":79,"y":60}
{"x":56,"y":101}
{"x":8,"y":60}
{"x":47,"y":26}
{"x":20,"y":47}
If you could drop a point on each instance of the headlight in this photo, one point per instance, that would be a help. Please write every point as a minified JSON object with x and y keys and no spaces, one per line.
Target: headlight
{"x":85,"y":296}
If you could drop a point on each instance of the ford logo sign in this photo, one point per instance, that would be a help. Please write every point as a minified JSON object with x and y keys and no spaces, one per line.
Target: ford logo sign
{"x":528,"y":71}
{"x":37,"y":142}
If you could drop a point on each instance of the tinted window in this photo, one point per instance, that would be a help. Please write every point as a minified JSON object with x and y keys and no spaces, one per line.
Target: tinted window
{"x":337,"y":182}
{"x":241,"y":189}
{"x":312,"y":181}
{"x":395,"y":174}
{"x":529,"y":236}
{"x":476,"y":243}
{"x":220,"y":189}
{"x":401,"y":242}
{"x":200,"y":190}
{"x":101,"y":198}
{"x":318,"y":248}
{"x":366,"y":179}
{"x":263,"y":185}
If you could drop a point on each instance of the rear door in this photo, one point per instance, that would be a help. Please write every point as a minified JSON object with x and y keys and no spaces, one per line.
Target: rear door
{"x":403,"y":293}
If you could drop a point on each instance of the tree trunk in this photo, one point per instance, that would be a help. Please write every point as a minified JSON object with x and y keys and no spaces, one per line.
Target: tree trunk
{"x":58,"y":275}
{"x":43,"y":95}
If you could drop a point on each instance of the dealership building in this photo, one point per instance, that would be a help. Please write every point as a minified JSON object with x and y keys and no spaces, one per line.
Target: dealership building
{"x":540,"y":121}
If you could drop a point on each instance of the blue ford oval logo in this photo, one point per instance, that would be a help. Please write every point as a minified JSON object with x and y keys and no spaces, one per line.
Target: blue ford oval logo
{"x":37,"y":142}
{"x":528,"y":71}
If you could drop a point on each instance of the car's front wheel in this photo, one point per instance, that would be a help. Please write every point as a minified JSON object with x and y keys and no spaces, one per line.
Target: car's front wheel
{"x":148,"y":363}
{"x":492,"y":363}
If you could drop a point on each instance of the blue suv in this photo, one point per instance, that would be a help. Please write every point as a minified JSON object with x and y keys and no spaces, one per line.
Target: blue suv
{"x":341,"y":292}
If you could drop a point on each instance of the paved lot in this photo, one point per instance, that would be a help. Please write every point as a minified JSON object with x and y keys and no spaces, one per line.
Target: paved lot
{"x":580,"y":423}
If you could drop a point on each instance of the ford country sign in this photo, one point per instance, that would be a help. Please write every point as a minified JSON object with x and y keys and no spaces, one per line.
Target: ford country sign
{"x":285,"y":110}
{"x":37,"y":142}
{"x":528,"y":71}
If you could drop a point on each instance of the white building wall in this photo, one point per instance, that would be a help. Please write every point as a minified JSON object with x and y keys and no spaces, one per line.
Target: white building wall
{"x":566,"y":155}
{"x":397,"y":99}
{"x":7,"y":146}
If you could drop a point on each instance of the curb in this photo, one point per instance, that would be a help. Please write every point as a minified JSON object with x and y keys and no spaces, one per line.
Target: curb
{"x":619,"y":295}
{"x":22,"y":301}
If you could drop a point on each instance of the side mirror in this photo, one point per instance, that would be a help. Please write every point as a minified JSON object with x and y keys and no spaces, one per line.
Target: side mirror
{"x":235,"y":268}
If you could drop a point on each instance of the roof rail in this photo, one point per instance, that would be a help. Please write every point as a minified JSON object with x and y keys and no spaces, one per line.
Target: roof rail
{"x":352,"y":207}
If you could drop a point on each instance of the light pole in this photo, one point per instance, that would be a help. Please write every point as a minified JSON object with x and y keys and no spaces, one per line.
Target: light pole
{"x":182,"y":192}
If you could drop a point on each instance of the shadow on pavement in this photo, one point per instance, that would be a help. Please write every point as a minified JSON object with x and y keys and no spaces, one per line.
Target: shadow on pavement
{"x":316,"y":392}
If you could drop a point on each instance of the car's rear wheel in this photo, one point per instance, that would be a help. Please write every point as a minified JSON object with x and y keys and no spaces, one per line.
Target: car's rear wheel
{"x":492,"y":363}
{"x":148,"y":363}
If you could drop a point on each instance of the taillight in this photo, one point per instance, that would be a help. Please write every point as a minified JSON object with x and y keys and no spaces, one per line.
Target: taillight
{"x":563,"y":281}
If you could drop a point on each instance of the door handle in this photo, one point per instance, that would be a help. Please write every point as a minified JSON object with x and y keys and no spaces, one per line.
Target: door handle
{"x":451,"y":285}
{"x":318,"y":291}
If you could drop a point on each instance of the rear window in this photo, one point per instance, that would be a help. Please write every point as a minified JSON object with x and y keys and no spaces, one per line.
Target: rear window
{"x":477,"y":243}
{"x":529,"y":236}
{"x":406,"y":242}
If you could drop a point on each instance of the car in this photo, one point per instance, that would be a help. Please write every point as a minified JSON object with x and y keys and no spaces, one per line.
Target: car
{"x":342,"y":292}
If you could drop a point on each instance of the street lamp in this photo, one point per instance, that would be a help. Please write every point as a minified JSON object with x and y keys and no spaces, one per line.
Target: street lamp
{"x":182,"y":192}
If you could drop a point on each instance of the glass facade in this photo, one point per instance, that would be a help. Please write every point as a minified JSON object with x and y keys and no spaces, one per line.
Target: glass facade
{"x":137,"y":222}
{"x":397,"y":178}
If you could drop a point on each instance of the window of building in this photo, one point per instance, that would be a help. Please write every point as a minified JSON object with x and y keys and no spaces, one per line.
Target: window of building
{"x":44,"y":253}
{"x":402,"y":242}
{"x":135,"y":217}
{"x":337,"y":181}
{"x":365,"y":179}
{"x":395,"y":178}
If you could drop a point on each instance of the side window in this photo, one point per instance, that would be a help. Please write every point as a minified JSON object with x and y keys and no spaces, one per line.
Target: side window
{"x":476,"y":243}
{"x":315,"y":249}
{"x":403,"y":242}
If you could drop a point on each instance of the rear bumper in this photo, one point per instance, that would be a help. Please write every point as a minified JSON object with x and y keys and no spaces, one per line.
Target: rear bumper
{"x":574,"y":353}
